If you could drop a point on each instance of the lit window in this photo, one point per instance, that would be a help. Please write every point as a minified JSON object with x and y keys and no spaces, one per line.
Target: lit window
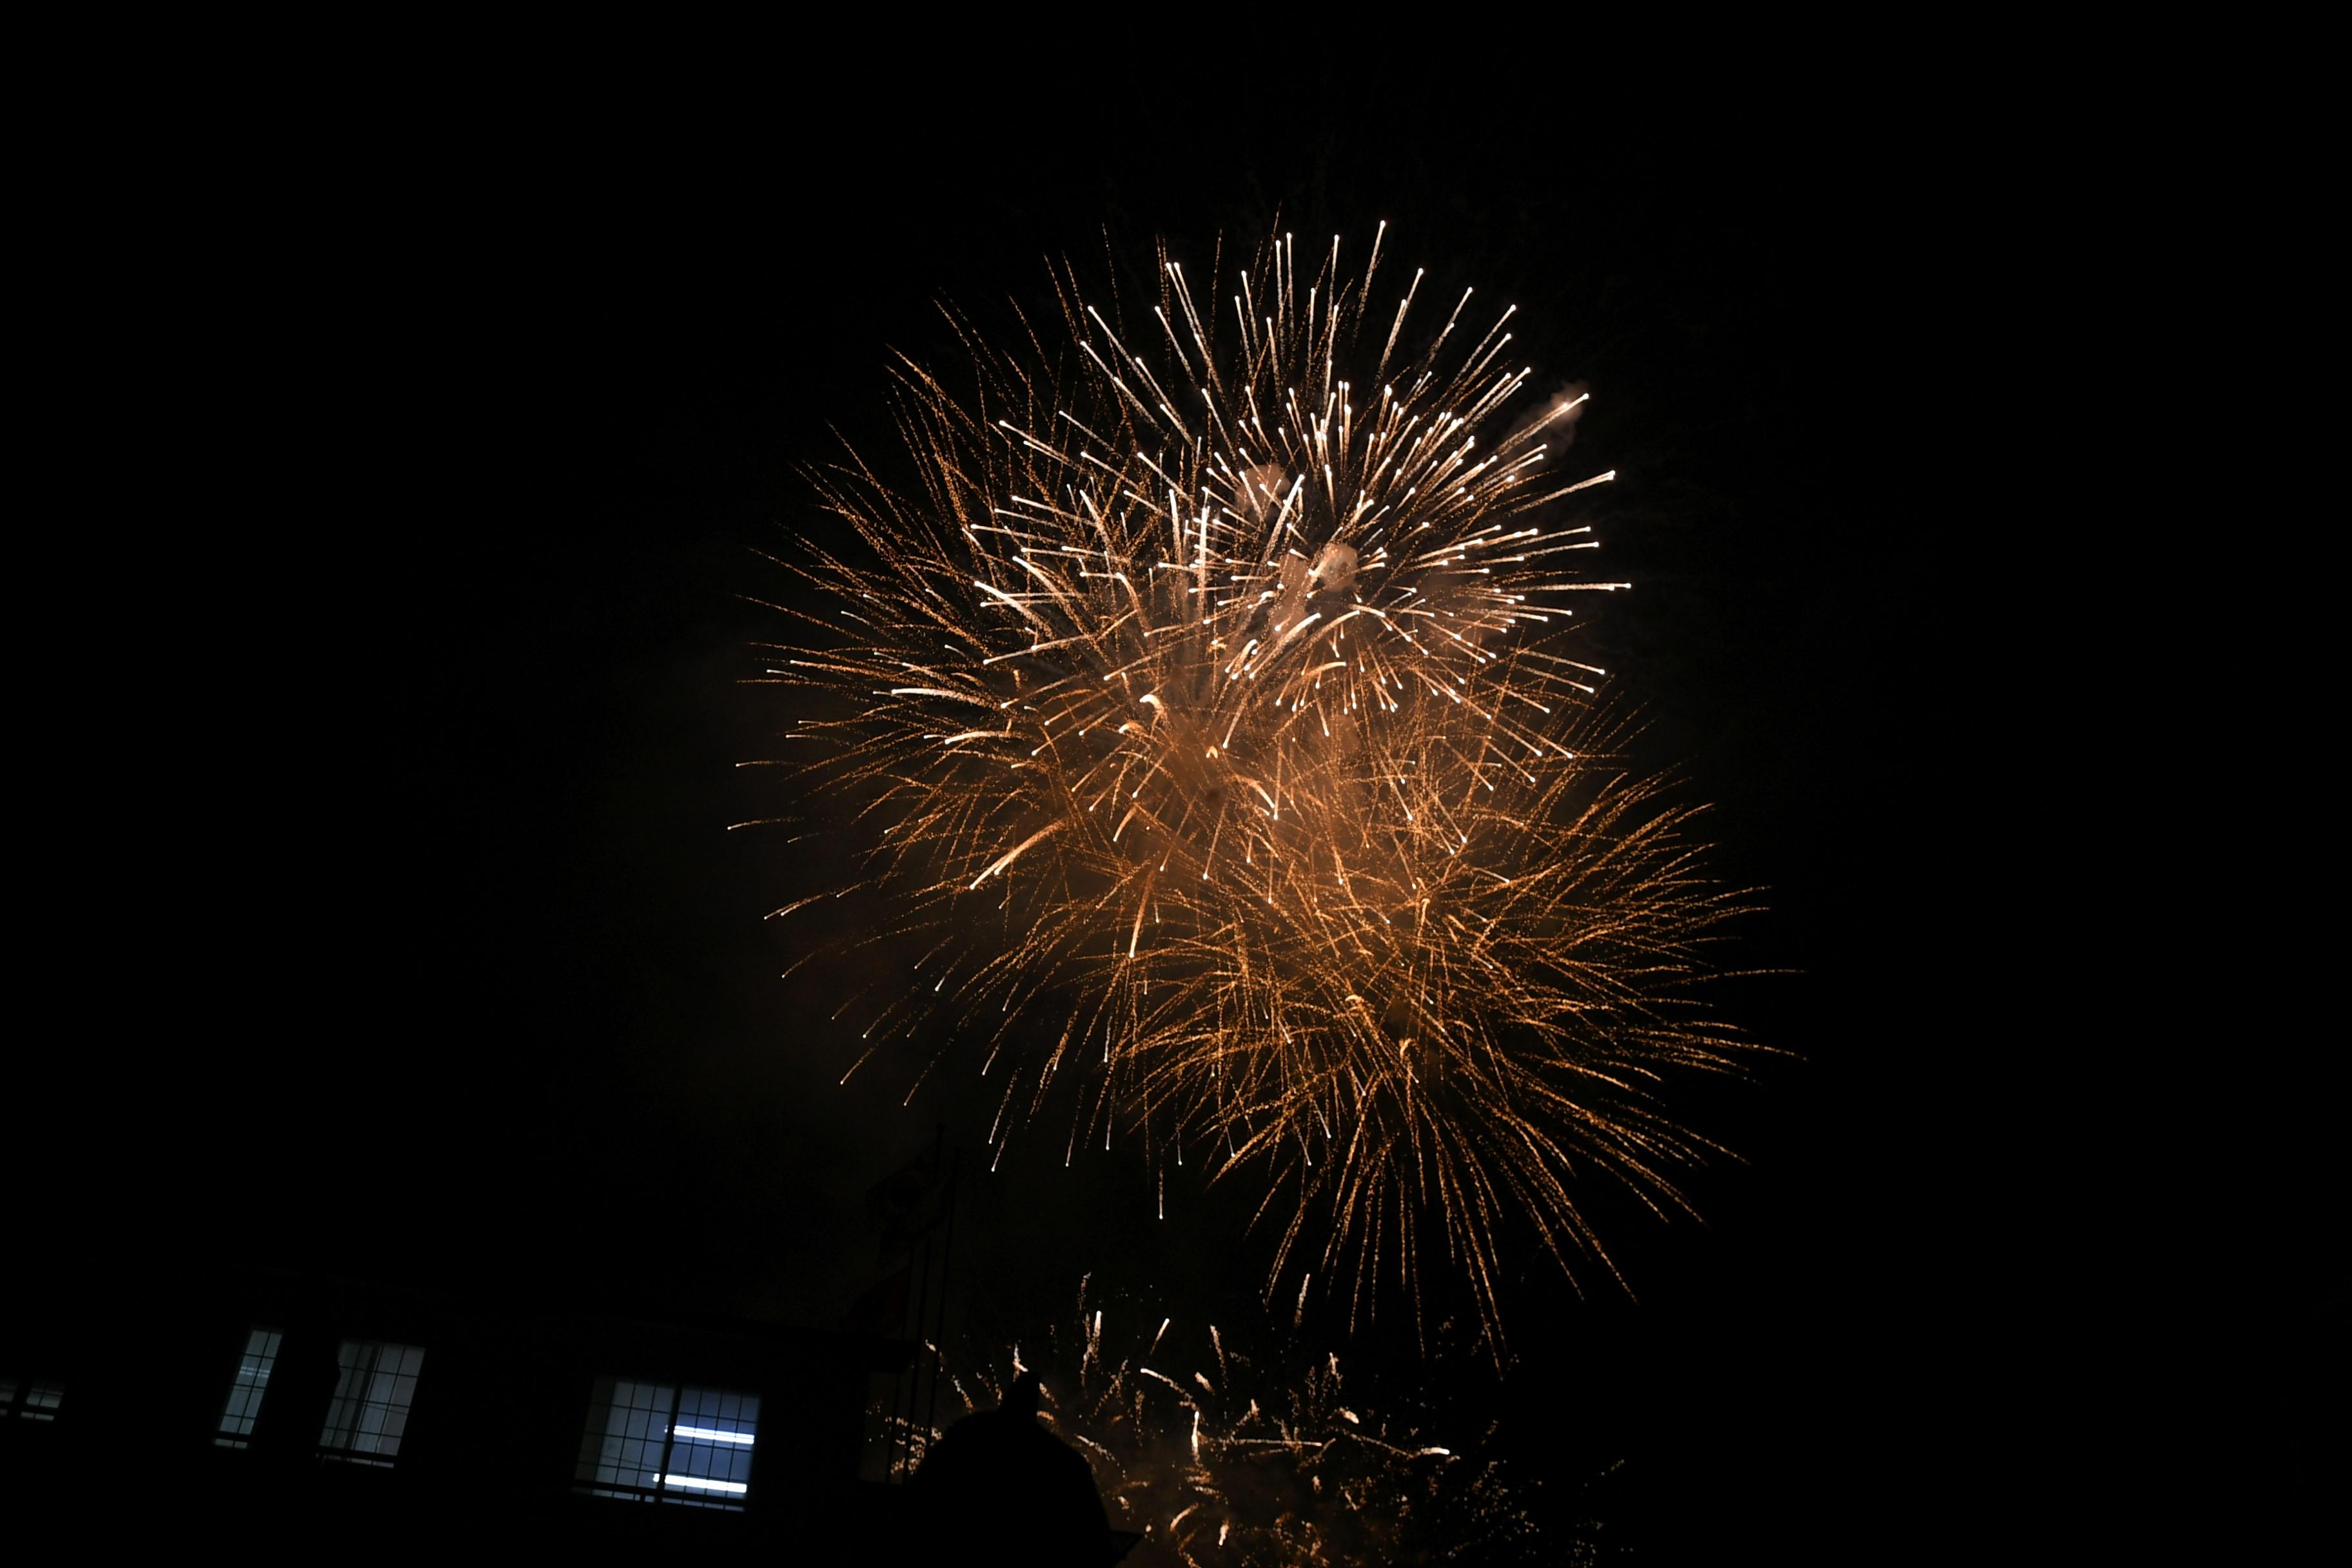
{"x":245,"y":1393}
{"x":651,"y":1441}
{"x":40,"y":1399}
{"x":371,"y":1408}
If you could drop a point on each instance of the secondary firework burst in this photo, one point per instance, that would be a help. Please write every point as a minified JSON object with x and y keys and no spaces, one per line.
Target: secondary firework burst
{"x":1218,"y":1455}
{"x":1206,"y":687}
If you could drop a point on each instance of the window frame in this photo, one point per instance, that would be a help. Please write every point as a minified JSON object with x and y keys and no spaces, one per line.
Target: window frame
{"x":716,"y":1424}
{"x":344,"y":1431}
{"x":235,"y":1427}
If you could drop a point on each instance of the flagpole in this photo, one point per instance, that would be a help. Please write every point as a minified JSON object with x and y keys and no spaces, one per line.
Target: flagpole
{"x":947,"y":1257}
{"x":903,"y":1442}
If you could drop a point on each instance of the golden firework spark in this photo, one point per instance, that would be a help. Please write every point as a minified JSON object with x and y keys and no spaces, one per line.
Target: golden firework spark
{"x":1209,"y":691}
{"x":1217,"y":1454}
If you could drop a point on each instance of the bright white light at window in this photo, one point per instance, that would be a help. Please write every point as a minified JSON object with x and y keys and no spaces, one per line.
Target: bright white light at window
{"x":709,"y":1435}
{"x":661,"y":1441}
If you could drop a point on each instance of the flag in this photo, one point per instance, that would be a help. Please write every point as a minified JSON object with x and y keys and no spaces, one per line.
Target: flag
{"x":882,"y":1309}
{"x":910,"y":1201}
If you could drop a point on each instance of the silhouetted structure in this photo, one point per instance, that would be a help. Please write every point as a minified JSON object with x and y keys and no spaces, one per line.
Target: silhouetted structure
{"x":301,"y":1414}
{"x":1000,"y":1487}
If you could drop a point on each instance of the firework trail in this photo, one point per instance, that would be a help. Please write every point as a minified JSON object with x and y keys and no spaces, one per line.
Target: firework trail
{"x":1214,"y":1459}
{"x":1206,"y":686}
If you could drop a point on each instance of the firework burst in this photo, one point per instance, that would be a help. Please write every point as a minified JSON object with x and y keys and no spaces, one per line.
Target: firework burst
{"x":1216,"y":1457}
{"x":1206,"y":687}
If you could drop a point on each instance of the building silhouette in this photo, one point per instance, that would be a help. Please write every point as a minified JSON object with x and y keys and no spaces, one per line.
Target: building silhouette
{"x":288,"y":1412}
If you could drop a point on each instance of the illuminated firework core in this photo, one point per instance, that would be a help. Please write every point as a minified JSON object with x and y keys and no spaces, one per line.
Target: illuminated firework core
{"x":1207,"y":693}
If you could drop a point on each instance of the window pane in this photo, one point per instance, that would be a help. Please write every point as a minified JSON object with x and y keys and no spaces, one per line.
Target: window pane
{"x":650,"y":1440}
{"x":252,"y":1380}
{"x":710,"y":1448}
{"x":628,"y":1428}
{"x":371,"y":1399}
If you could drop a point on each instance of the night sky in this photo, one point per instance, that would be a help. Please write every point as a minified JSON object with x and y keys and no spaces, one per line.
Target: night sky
{"x":487,"y":418}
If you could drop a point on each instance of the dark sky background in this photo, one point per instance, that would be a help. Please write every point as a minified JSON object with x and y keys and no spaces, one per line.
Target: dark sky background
{"x":484,"y":417}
